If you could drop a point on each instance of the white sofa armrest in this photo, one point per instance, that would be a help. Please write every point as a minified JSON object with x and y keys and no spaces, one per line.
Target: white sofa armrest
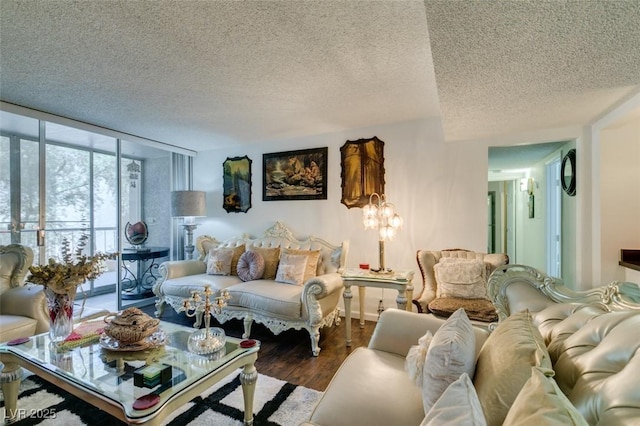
{"x":397,"y":330}
{"x":322,"y":285}
{"x":181,"y":268}
{"x":28,"y":301}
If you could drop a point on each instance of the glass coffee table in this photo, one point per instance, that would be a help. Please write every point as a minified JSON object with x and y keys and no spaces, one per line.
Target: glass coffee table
{"x":112,"y":380}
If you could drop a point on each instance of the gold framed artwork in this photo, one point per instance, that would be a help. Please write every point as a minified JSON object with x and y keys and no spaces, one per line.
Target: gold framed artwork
{"x":236,"y":184}
{"x":295,"y":175}
{"x":362,"y":171}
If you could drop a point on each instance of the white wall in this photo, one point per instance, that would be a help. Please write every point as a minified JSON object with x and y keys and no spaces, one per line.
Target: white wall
{"x":620,"y":195}
{"x":439,"y":189}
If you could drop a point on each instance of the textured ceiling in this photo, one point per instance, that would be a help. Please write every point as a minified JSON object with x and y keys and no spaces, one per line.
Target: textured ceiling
{"x":201,"y":74}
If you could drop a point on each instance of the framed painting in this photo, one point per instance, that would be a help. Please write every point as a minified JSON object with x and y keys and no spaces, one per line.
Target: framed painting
{"x":362,"y":171}
{"x":295,"y":175}
{"x":236,"y":184}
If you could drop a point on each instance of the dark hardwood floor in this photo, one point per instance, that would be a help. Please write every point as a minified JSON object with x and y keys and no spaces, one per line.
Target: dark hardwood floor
{"x":287,"y":356}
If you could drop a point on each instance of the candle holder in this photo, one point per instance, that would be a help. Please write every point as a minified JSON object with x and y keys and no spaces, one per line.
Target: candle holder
{"x":209,"y":340}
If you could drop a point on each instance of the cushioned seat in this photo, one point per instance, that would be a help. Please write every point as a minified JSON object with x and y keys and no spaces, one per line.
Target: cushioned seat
{"x":267,"y":297}
{"x":476,"y":309}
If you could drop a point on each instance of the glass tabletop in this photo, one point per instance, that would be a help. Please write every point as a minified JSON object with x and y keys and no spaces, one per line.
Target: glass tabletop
{"x":110,"y":373}
{"x":367,"y":275}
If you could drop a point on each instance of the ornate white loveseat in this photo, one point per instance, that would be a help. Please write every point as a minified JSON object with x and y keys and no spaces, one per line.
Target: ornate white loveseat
{"x":555,"y":357}
{"x":277,"y":305}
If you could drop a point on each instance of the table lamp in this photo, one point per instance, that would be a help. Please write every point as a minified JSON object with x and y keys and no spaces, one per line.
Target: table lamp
{"x":381,"y":216}
{"x":188,"y":205}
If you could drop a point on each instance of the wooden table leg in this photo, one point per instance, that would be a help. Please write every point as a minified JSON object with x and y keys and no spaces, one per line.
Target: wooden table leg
{"x":10,"y":380}
{"x":347,"y":296}
{"x":248,"y":379}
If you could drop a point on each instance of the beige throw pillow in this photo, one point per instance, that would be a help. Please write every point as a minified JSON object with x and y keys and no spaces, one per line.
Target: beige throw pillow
{"x":219,"y":262}
{"x":452,"y":352}
{"x":291,"y":269}
{"x":457,"y":406}
{"x":312,"y":261}
{"x":542,"y":403}
{"x":463,"y":278}
{"x":271,"y":256}
{"x":504,"y":364}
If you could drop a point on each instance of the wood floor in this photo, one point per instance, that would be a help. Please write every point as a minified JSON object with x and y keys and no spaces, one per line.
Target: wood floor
{"x":287,"y":356}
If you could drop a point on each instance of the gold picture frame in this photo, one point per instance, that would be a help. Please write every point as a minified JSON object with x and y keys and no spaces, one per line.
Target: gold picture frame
{"x":362,"y":171}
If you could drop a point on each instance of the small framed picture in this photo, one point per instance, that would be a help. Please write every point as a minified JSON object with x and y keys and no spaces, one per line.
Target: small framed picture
{"x":295,"y":175}
{"x":236,"y":184}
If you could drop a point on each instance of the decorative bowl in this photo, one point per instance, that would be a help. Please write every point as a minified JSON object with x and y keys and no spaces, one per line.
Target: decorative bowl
{"x":130,"y":326}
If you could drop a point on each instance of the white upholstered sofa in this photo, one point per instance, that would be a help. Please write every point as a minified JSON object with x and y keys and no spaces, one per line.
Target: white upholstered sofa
{"x":279,"y":306}
{"x":579,"y":366}
{"x":23,"y":307}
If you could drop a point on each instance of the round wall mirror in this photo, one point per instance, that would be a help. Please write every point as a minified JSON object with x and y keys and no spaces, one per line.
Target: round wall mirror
{"x":568,"y":173}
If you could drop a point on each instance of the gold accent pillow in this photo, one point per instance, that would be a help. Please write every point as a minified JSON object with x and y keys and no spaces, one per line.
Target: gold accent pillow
{"x":542,"y":403}
{"x":271,"y":256}
{"x":312,"y":261}
{"x":504,"y":364}
{"x":237,"y":252}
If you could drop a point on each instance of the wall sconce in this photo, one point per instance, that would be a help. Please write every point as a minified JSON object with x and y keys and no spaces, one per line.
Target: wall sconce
{"x":382,"y":217}
{"x":188,"y":205}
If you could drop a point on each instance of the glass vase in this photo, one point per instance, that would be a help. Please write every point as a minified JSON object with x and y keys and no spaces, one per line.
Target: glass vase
{"x":60,"y":314}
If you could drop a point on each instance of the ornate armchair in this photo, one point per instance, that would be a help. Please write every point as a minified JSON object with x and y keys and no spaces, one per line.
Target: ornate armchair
{"x":23,"y":308}
{"x":435,"y":300}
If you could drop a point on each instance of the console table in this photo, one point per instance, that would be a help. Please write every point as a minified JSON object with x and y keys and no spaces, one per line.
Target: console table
{"x":398,"y":280}
{"x":142,"y":279}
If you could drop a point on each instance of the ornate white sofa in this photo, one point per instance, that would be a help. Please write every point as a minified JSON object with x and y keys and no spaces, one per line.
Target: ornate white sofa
{"x":23,"y":307}
{"x":591,"y":360}
{"x":276,"y":305}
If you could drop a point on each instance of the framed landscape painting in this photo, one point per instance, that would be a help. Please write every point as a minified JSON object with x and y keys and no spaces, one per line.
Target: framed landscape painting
{"x":295,"y":175}
{"x":236,"y":184}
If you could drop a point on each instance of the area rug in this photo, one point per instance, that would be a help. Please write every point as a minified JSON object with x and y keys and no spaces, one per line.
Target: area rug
{"x":276,"y":403}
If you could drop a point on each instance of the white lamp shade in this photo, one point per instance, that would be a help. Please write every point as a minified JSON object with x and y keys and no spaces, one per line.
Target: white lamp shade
{"x":188,"y":204}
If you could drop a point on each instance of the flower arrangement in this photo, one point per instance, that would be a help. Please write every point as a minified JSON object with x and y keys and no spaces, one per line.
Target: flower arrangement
{"x":65,"y":277}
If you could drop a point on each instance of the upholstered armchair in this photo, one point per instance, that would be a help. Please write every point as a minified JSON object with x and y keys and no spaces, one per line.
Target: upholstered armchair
{"x":23,"y":309}
{"x":471,"y":272}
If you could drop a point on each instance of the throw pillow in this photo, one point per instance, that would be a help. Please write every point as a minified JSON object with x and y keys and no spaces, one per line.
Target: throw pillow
{"x":291,"y":269}
{"x":237,"y":252}
{"x":219,"y":262}
{"x":504,"y":364}
{"x":541,"y":402}
{"x":416,"y":356}
{"x":312,"y":261}
{"x":271,"y":256}
{"x":250,"y":266}
{"x":452,"y":352}
{"x":458,"y":405}
{"x":464,"y":279}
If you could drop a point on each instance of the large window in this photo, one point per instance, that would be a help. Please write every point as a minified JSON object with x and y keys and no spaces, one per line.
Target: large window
{"x":59,"y":182}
